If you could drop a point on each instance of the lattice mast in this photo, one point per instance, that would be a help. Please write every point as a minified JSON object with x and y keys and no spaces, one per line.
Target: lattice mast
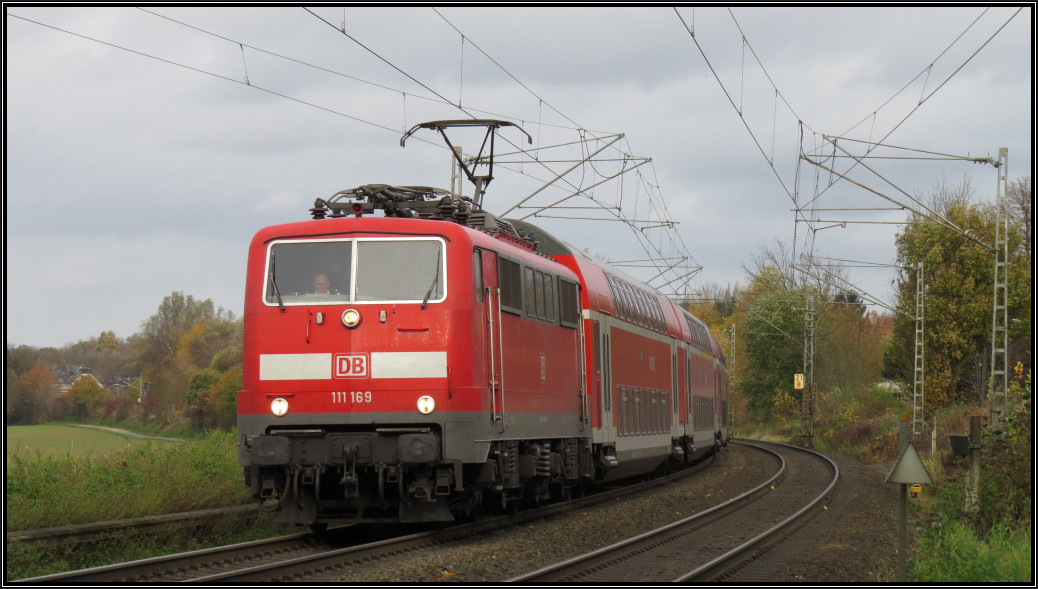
{"x":1000,"y":303}
{"x":919,"y":376}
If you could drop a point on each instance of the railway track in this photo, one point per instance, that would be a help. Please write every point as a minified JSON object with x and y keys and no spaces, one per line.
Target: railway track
{"x":712,"y":545}
{"x":84,"y":533}
{"x":305,"y":557}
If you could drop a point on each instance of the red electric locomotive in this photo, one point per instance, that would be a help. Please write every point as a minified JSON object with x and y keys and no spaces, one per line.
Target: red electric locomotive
{"x":414,"y":366}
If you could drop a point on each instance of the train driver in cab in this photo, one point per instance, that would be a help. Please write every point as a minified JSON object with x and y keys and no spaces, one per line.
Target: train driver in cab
{"x":321,"y":284}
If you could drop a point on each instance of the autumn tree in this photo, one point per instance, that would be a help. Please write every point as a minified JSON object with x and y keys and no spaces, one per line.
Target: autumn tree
{"x":21,"y":359}
{"x":186,"y":340}
{"x":168,"y":382}
{"x":958,"y":287}
{"x":87,"y":397}
{"x":849,"y":343}
{"x":36,"y":391}
{"x":17,"y":408}
{"x":161,"y":334}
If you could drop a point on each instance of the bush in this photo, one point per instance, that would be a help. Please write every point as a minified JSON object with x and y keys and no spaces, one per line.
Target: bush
{"x":956,"y":554}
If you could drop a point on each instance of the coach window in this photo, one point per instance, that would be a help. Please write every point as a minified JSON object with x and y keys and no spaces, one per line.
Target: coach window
{"x":636,"y":314}
{"x":657,"y":314}
{"x":643,"y":311}
{"x":639,"y":302}
{"x":631,"y":309}
{"x":617,"y":311}
{"x":618,"y":302}
{"x":626,"y":298}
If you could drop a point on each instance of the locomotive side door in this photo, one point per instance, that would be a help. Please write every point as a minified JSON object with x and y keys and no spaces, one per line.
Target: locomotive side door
{"x":493,"y":350}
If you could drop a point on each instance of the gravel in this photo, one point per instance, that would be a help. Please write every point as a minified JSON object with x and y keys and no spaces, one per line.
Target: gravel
{"x":852,"y":540}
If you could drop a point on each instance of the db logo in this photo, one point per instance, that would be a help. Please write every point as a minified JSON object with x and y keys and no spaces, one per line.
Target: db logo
{"x":351,"y":365}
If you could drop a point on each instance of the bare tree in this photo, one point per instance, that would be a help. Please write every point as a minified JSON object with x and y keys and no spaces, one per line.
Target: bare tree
{"x":1021,"y":210}
{"x":724,"y":298}
{"x":944,"y":196}
{"x":778,"y":258}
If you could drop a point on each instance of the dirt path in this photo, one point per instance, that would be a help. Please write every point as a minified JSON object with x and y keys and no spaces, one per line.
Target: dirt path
{"x":127,"y":432}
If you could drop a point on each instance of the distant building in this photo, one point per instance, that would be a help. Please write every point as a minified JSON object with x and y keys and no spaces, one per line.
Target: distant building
{"x":66,"y":375}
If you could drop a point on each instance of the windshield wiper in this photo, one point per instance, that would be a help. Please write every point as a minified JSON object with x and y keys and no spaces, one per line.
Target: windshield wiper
{"x":432,"y":286}
{"x":274,"y":282}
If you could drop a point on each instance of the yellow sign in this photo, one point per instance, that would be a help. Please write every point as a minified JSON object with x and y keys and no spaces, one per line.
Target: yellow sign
{"x":798,"y":382}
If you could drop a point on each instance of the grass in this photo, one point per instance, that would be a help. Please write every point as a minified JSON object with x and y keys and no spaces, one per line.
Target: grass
{"x":56,"y":440}
{"x":956,"y":553}
{"x":140,"y":477}
{"x":994,"y":545}
{"x":62,"y":475}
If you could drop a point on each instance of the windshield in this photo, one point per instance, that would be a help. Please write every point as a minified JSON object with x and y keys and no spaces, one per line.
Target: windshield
{"x":398,"y":271}
{"x":355,"y":270}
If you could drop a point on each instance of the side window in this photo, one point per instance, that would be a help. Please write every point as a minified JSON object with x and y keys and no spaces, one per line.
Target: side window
{"x":538,"y":287}
{"x":531,"y":296}
{"x":643,"y":315}
{"x":569,"y":303}
{"x":549,"y":298}
{"x":625,"y":294}
{"x":509,"y":279}
{"x":617,"y":307}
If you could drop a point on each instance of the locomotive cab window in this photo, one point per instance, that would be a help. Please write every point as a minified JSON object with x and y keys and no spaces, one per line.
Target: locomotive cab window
{"x":307,"y":272}
{"x":389,"y":270}
{"x":341,"y":271}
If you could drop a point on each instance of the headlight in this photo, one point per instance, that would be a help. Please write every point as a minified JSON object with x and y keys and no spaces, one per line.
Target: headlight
{"x":351,"y":318}
{"x":426,"y":404}
{"x":279,"y":406}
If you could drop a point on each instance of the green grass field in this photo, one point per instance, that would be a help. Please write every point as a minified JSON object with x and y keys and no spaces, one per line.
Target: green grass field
{"x":59,"y":440}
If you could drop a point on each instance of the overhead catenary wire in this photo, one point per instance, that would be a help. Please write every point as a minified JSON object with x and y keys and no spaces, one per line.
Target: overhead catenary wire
{"x":872,"y":145}
{"x":618,"y":211}
{"x":925,"y":98}
{"x":505,"y":70}
{"x":658,"y":240}
{"x":736,"y":107}
{"x":208,"y":73}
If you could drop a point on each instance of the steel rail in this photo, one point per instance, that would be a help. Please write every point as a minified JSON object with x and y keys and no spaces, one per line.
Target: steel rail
{"x":725,"y":562}
{"x":616,"y":563}
{"x":82,"y":533}
{"x":326,"y":566}
{"x":205,"y":565}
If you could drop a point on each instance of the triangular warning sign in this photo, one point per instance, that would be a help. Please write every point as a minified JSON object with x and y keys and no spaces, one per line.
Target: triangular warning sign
{"x":909,"y":469}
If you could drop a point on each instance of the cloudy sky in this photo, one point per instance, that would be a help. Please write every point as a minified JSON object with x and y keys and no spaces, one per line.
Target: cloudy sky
{"x":145,"y":147}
